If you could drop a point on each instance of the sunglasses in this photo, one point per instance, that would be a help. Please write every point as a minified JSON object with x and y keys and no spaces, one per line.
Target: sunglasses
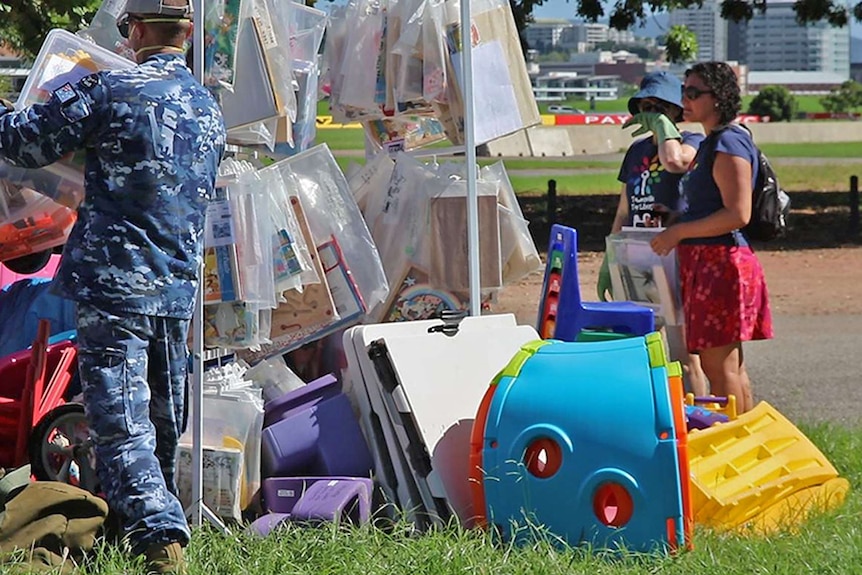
{"x":652,"y":107}
{"x":126,"y":19}
{"x":123,"y":25}
{"x":693,"y":93}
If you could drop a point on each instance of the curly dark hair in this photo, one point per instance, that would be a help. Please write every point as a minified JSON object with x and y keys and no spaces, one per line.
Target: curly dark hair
{"x":721,"y":79}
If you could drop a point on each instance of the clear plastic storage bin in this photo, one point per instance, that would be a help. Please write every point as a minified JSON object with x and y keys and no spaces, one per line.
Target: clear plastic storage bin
{"x":30,"y":221}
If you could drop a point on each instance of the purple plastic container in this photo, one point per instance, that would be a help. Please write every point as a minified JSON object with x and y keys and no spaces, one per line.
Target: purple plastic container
{"x":314,"y":392}
{"x":343,"y":500}
{"x":266,"y":524}
{"x":323,"y":439}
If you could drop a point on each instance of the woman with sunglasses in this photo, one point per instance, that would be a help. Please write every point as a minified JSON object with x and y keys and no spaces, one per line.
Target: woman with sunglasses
{"x":723,"y":287}
{"x":650,"y":175}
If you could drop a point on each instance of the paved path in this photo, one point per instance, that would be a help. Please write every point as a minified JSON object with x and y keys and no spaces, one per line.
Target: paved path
{"x":812,"y":370}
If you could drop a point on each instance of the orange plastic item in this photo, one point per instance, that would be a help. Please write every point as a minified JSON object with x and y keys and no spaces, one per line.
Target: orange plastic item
{"x":674,"y":381}
{"x":35,"y":233}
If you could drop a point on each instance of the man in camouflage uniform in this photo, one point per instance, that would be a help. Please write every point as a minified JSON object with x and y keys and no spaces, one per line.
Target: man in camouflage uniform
{"x":153,"y":138}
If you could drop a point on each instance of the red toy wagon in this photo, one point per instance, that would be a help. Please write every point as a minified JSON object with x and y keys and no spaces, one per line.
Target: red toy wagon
{"x":37,"y":424}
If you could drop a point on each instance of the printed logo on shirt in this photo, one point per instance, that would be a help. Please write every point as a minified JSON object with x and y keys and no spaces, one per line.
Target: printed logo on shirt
{"x":649,"y":172}
{"x":646,"y":176}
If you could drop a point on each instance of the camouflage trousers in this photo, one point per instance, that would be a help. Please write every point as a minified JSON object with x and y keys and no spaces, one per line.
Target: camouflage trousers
{"x":134,"y":370}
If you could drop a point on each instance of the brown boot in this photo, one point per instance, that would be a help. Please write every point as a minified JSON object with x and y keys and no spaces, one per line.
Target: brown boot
{"x":167,"y":558}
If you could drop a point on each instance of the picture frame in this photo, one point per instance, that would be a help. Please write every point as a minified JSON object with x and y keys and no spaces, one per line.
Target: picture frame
{"x":641,"y":276}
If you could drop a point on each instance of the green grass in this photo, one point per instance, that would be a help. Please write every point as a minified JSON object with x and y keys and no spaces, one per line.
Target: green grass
{"x":814,"y":150}
{"x":827,"y":543}
{"x":822,"y":177}
{"x":575,"y":184}
{"x":805,"y":103}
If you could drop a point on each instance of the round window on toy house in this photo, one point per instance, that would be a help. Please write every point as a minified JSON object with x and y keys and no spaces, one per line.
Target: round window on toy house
{"x":613,"y":504}
{"x":543,"y":457}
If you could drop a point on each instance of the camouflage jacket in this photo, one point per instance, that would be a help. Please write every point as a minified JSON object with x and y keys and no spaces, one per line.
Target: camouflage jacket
{"x":154,"y":138}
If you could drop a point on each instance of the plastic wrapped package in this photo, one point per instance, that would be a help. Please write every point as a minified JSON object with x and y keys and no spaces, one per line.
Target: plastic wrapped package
{"x":345,"y":257}
{"x":250,"y":205}
{"x":277,"y":47}
{"x":434,"y":71}
{"x":304,"y":130}
{"x":417,"y":51}
{"x":404,"y":133}
{"x":504,"y":100}
{"x":332,"y":212}
{"x":362,"y":72}
{"x":254,"y":98}
{"x":307,"y":26}
{"x":518,"y":252}
{"x":291,"y":256}
{"x":370,"y":179}
{"x":398,"y":216}
{"x":274,"y":378}
{"x":258,"y":134}
{"x":232,"y":325}
{"x":333,"y":54}
{"x":103,"y":29}
{"x":222,"y":22}
{"x":232,"y":422}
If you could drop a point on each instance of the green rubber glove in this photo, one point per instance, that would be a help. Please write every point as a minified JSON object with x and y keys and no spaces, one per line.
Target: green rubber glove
{"x":658,"y":124}
{"x":604,"y":284}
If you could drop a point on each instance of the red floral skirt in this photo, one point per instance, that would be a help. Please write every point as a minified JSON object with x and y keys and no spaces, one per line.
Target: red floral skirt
{"x":724,"y":296}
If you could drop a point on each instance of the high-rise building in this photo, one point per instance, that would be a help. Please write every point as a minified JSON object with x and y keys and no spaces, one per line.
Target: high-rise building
{"x":774,"y":41}
{"x":707,"y":24}
{"x":546,"y":35}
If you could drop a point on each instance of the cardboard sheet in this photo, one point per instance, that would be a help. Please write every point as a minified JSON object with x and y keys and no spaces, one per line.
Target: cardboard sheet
{"x":448,"y":237}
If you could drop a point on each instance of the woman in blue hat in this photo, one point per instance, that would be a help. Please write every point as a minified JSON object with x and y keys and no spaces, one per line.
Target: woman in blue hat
{"x":650,"y":174}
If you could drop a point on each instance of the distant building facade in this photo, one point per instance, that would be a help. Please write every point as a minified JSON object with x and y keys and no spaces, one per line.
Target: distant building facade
{"x":774,"y":42}
{"x":546,"y":35}
{"x":707,"y":24}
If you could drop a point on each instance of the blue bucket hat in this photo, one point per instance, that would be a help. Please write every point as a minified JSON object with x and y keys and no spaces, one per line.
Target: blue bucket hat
{"x":660,"y":85}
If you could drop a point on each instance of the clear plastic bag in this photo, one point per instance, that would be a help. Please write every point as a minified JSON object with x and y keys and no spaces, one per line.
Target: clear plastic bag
{"x":332,"y":212}
{"x":291,"y":256}
{"x":222,"y":22}
{"x":362,"y":72}
{"x":517,"y":250}
{"x":103,"y":29}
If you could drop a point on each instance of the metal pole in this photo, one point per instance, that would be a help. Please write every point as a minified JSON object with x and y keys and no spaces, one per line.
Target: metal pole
{"x":470,"y":149}
{"x":196,"y":395}
{"x":552,"y":202}
{"x":854,"y":205}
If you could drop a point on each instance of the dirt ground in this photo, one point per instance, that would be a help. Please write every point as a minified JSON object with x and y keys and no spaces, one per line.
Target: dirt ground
{"x":800,"y":282}
{"x":815,"y":269}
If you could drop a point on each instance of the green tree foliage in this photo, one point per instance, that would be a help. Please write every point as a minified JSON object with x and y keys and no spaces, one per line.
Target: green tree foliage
{"x":25,"y":23}
{"x":774,"y":101}
{"x":847,"y":97}
{"x":680,"y":44}
{"x":5,"y":87}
